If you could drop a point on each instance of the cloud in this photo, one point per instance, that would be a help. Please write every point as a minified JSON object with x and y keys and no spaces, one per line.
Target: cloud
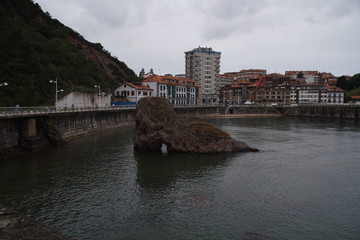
{"x":228,"y":9}
{"x":273,"y":34}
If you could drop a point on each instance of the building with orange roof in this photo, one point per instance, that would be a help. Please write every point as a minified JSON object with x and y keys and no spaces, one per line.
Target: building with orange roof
{"x":178,"y":90}
{"x":274,"y":89}
{"x":327,"y":78}
{"x":355,"y":100}
{"x":334,"y":94}
{"x":225,"y":80}
{"x":133,"y":92}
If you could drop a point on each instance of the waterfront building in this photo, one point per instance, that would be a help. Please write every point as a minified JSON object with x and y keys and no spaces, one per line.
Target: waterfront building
{"x":178,"y":90}
{"x":308,"y":94}
{"x":334,"y":94}
{"x":235,"y":93}
{"x":84,"y":100}
{"x":202,"y":64}
{"x":274,"y":90}
{"x":355,"y":100}
{"x":132,"y":92}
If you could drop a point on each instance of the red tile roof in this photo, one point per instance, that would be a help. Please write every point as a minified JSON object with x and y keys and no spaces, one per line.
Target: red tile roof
{"x":169,"y":80}
{"x":304,"y":72}
{"x":333,"y":89}
{"x":138,"y":86}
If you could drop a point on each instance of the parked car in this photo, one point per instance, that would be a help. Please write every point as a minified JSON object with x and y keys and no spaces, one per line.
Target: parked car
{"x":248,"y":103}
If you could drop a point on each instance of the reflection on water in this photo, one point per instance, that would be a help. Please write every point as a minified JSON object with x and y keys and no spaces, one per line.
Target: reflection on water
{"x":303,"y":184}
{"x":163,"y":169}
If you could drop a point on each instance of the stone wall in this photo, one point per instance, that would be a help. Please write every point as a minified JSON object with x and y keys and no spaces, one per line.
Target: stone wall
{"x":51,"y":129}
{"x":336,"y":112}
{"x":9,"y":132}
{"x":75,"y":123}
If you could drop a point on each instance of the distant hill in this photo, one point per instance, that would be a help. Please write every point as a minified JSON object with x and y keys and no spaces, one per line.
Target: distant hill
{"x":35,"y":48}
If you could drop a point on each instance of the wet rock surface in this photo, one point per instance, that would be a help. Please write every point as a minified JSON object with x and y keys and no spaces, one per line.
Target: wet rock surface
{"x":14,"y":226}
{"x":158,"y":124}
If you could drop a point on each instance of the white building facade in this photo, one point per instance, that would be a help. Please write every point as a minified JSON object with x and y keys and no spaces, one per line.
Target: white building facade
{"x":308,"y":94}
{"x":133,"y":92}
{"x":307,"y":77}
{"x":202,"y":64}
{"x":84,"y":100}
{"x":335,"y":95}
{"x":178,"y":90}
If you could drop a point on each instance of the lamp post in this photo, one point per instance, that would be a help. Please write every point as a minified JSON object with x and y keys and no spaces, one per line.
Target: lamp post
{"x":56,"y":90}
{"x":98,"y":86}
{"x":3,"y":84}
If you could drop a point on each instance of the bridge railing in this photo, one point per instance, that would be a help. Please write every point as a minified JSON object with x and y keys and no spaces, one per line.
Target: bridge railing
{"x":28,"y":111}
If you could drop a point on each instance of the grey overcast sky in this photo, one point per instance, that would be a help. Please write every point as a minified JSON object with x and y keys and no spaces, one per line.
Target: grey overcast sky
{"x":276,"y":35}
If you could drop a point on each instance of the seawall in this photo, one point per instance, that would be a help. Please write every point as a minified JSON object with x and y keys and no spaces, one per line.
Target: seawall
{"x":24,"y":132}
{"x":32,"y":132}
{"x":325,"y":111}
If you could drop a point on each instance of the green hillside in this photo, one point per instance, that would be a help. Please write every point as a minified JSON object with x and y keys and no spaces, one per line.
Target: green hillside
{"x":353,"y":92}
{"x":35,"y":48}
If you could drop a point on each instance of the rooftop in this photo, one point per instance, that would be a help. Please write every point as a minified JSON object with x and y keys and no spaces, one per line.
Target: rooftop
{"x":203,"y":50}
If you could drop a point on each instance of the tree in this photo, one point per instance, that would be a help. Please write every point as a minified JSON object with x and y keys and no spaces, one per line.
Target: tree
{"x":300,"y":75}
{"x":342,"y":83}
{"x":354,"y":82}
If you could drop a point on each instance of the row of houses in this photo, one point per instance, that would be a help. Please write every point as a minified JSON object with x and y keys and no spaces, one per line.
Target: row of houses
{"x":268,"y":90}
{"x":281,"y":89}
{"x":178,"y":90}
{"x":251,"y":86}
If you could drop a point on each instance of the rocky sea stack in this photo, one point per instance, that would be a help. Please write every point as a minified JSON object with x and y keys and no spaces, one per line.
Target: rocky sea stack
{"x":158,"y":124}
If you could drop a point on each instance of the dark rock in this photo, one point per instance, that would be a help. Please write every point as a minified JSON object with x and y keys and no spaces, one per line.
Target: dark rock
{"x":158,"y":124}
{"x":15,"y":226}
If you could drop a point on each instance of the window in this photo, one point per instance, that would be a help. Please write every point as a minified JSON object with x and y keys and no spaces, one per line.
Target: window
{"x":132,"y":93}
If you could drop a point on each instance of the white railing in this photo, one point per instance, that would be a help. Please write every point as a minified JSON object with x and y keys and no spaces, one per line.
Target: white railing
{"x":29,"y":111}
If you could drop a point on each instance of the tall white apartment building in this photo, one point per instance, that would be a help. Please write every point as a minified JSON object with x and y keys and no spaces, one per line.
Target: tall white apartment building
{"x":202,"y":64}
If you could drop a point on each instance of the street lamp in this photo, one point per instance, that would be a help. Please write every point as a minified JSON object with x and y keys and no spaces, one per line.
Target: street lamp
{"x":56,"y":90}
{"x":3,"y":84}
{"x":98,"y":86}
